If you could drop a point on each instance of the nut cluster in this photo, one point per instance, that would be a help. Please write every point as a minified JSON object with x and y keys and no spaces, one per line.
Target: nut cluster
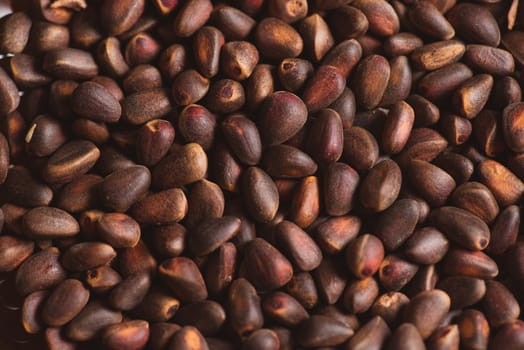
{"x":261,"y":174}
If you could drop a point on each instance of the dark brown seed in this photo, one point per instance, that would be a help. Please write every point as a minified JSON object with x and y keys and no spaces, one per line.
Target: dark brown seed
{"x":30,"y":314}
{"x":370,"y":80}
{"x":71,"y":160}
{"x":323,"y":88}
{"x":55,"y":340}
{"x":122,"y":188}
{"x":340,"y":184}
{"x":318,"y":331}
{"x":197,"y":124}
{"x":261,"y":194}
{"x":468,"y":263}
{"x":210,"y":235}
{"x":476,"y":198}
{"x":49,"y":223}
{"x":91,"y":320}
{"x":22,"y":188}
{"x":287,"y":10}
{"x":132,"y":335}
{"x":142,"y":77}
{"x":183,"y":277}
{"x":444,"y":338}
{"x":191,"y":17}
{"x":26,"y":72}
{"x":205,"y":202}
{"x":513,"y":133}
{"x":305,"y":203}
{"x":111,"y":58}
{"x":283,"y":161}
{"x":234,"y":23}
{"x":277,"y":40}
{"x":423,"y":144}
{"x":426,"y":310}
{"x":437,"y":55}
{"x":284,"y":309}
{"x":433,"y":183}
{"x":499,"y":304}
{"x":265,"y":266}
{"x":505,"y":230}
{"x":298,"y":246}
{"x":463,"y":291}
{"x":331,"y":279}
{"x":244,"y":307}
{"x":135,"y":259}
{"x":284,"y":109}
{"x":159,"y":305}
{"x":335,"y":233}
{"x":360,"y":295}
{"x":371,"y":336}
{"x":397,"y":127}
{"x":442,"y":82}
{"x":383,"y":20}
{"x":302,"y":288}
{"x":206,"y":47}
{"x":505,"y":185}
{"x":220,"y":268}
{"x":465,"y":18}
{"x":189,"y":87}
{"x":263,"y":339}
{"x":462,"y":227}
{"x":80,"y":194}
{"x":242,"y":135}
{"x":14,"y":32}
{"x":172,"y":61}
{"x":206,"y":316}
{"x":4,"y":158}
{"x":184,"y":165}
{"x":406,"y":336}
{"x":145,"y":105}
{"x":13,"y":252}
{"x":402,"y":44}
{"x":119,"y":16}
{"x":394,"y":225}
{"x":389,"y":307}
{"x":9,"y":97}
{"x":505,"y":91}
{"x":347,"y":22}
{"x":64,"y":303}
{"x":489,"y":59}
{"x":141,"y":49}
{"x":294,"y":72}
{"x":163,"y":207}
{"x":469,"y":99}
{"x":364,"y":256}
{"x":458,"y":166}
{"x":87,"y":255}
{"x":361,"y":150}
{"x":161,"y":333}
{"x":238,"y":59}
{"x":510,"y":336}
{"x":381,"y":186}
{"x":101,"y":279}
{"x":154,"y":139}
{"x":317,"y":36}
{"x":426,"y":113}
{"x":259,"y":86}
{"x":40,"y":271}
{"x":225,"y":96}
{"x":426,"y":245}
{"x":119,"y":230}
{"x":399,"y":83}
{"x":130,"y":292}
{"x":425,"y":16}
{"x":69,"y":63}
{"x":326,"y":137}
{"x":395,"y":272}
